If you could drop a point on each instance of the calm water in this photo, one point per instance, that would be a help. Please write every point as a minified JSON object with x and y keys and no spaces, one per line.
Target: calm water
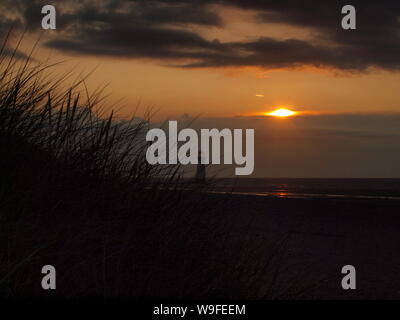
{"x":302,"y":188}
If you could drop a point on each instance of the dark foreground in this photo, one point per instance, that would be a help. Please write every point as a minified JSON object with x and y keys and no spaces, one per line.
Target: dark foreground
{"x":323,"y":235}
{"x":240,"y":247}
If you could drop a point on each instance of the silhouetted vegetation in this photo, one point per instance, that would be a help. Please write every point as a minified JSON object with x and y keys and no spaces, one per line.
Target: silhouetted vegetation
{"x":76,"y":192}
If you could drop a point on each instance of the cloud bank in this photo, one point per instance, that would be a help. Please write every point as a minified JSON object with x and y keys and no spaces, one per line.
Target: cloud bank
{"x":165,"y":30}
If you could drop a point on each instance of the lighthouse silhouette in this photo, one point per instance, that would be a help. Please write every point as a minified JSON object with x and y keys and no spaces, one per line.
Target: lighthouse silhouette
{"x":201,"y":170}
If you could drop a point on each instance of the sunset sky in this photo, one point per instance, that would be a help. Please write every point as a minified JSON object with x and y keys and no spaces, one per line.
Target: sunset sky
{"x":229,"y":62}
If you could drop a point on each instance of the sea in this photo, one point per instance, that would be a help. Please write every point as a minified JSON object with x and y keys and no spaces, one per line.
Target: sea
{"x":363,"y":188}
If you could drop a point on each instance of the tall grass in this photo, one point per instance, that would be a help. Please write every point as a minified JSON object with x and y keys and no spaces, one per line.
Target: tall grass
{"x":73,"y":130}
{"x":69,"y":166}
{"x":76,"y":192}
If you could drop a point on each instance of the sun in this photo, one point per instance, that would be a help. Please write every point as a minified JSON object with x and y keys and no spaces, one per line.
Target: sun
{"x":282,"y":113}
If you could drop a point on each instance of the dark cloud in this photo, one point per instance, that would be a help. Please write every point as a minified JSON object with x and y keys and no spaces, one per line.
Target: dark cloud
{"x":273,"y":53}
{"x":375,"y":43}
{"x":179,"y":13}
{"x":162,"y":30}
{"x":136,"y":40}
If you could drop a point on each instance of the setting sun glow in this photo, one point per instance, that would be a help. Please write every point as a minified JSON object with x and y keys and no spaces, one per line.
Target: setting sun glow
{"x":281,"y":113}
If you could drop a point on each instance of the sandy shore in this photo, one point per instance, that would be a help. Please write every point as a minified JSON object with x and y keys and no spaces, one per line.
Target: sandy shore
{"x":223,"y":247}
{"x":322,"y":235}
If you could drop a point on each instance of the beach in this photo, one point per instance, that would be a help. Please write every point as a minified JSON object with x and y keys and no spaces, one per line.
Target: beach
{"x":323,"y":235}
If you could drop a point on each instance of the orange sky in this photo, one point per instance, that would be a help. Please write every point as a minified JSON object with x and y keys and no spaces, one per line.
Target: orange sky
{"x":218,"y":93}
{"x":233,"y":91}
{"x":348,"y":122}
